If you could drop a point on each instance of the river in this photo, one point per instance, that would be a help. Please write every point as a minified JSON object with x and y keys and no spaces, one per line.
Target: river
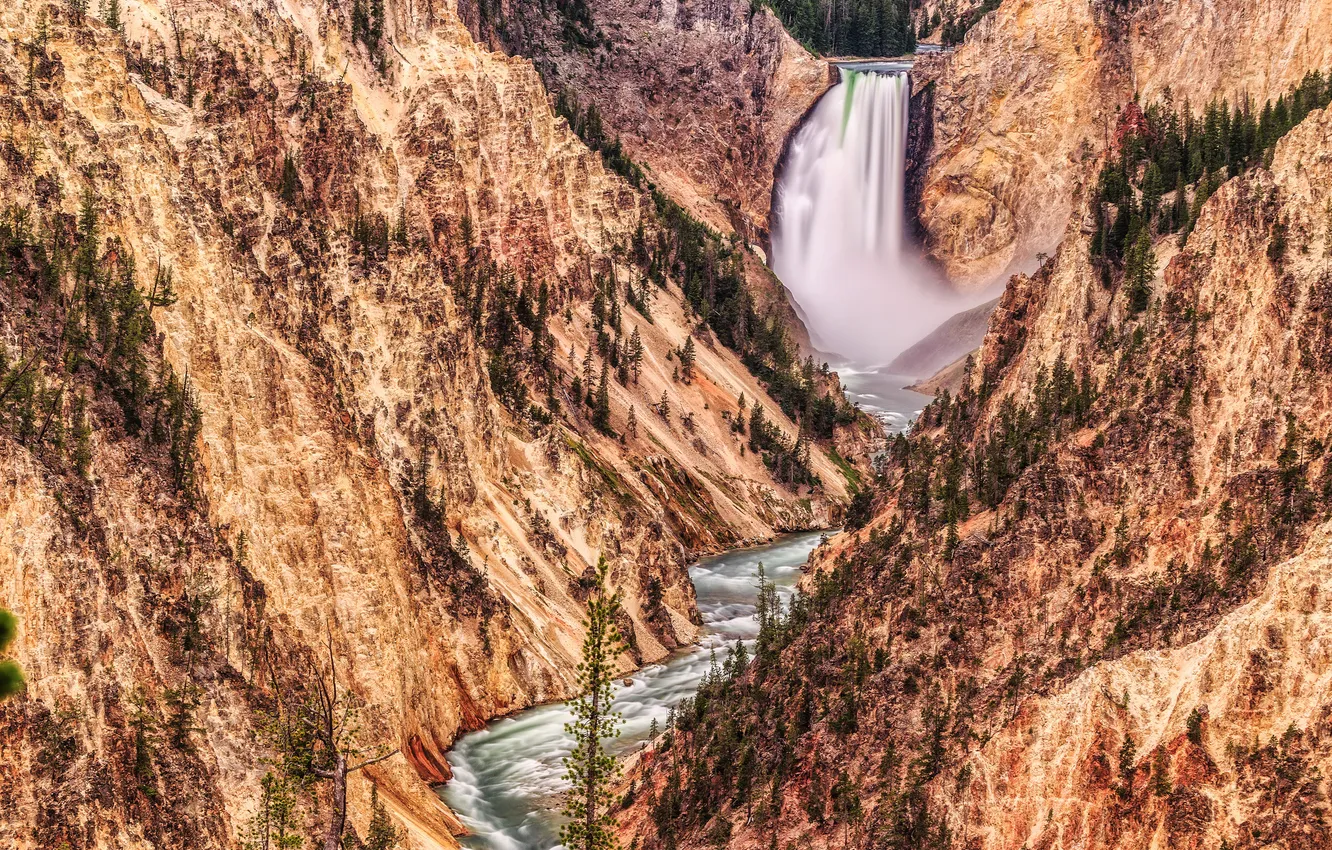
{"x":507,"y":777}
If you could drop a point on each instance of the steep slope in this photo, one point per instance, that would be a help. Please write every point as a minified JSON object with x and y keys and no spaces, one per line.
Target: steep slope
{"x":702,"y":94}
{"x":1088,"y":608}
{"x":379,"y":458}
{"x":1027,"y":104}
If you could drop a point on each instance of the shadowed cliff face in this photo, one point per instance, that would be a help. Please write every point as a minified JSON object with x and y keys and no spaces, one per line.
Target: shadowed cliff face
{"x":331,"y":209}
{"x":1025,"y":107}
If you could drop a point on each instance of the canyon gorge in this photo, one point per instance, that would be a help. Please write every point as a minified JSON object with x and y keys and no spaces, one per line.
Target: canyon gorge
{"x":341,"y":340}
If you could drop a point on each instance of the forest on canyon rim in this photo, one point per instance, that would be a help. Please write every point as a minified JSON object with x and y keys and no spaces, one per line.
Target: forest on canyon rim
{"x":352,"y":351}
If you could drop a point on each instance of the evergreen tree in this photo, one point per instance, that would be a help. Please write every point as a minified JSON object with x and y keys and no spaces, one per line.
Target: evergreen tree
{"x":382,"y":834}
{"x":1152,"y":190}
{"x":769,"y":615}
{"x":688,"y":354}
{"x":1139,"y":270}
{"x":111,"y":15}
{"x":758,"y":428}
{"x":864,"y":27}
{"x":291,"y":181}
{"x":11,"y":675}
{"x":601,"y":404}
{"x":1180,"y":212}
{"x":275,"y":825}
{"x":635,"y":354}
{"x":591,"y":770}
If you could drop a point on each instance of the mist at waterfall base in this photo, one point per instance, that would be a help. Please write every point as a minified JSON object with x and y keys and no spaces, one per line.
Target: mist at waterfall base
{"x":839,"y":241}
{"x":508,"y":776}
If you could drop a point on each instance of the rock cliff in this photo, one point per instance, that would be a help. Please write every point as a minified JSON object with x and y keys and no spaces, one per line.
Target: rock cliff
{"x":358,"y":464}
{"x":1026,"y":105}
{"x":703,"y":94}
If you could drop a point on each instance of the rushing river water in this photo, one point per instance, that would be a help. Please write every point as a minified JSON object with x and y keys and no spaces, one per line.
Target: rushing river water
{"x":507,"y":776}
{"x":883,"y":395}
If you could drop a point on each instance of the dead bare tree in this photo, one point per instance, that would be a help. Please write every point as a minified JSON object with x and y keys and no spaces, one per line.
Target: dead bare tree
{"x":333,"y":717}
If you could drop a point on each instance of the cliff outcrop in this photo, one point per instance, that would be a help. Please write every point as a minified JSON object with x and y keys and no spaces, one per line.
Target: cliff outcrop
{"x":702,"y":94}
{"x":1028,"y":103}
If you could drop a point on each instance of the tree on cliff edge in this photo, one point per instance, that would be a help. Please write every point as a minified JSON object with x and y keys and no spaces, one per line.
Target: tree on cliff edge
{"x":11,"y":676}
{"x":590,"y":769}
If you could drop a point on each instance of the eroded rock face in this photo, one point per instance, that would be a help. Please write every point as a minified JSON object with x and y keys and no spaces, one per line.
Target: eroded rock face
{"x":1026,"y":105}
{"x":702,"y":93}
{"x":1209,"y":719}
{"x":388,"y":503}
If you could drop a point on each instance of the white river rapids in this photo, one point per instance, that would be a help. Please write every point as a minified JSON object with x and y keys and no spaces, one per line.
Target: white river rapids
{"x":507,"y":777}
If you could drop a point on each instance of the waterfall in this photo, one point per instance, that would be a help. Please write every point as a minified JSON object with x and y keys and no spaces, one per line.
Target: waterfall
{"x":839,"y":239}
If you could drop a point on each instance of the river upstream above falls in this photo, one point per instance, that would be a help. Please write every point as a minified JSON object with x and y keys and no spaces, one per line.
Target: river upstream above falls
{"x":507,"y":777}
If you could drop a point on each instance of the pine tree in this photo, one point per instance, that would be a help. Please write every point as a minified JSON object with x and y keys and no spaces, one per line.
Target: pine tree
{"x":601,"y":405}
{"x":632,"y":426}
{"x":11,"y":675}
{"x":111,"y":15}
{"x":291,"y":181}
{"x":591,"y":770}
{"x":1139,"y":270}
{"x":635,"y":354}
{"x":687,"y":357}
{"x":768,"y":612}
{"x":757,"y":428}
{"x":1180,"y":212}
{"x":1152,"y":190}
{"x":382,"y":834}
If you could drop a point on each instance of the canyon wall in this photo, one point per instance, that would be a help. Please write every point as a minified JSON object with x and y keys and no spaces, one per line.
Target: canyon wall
{"x":1027,"y":104}
{"x":702,"y":94}
{"x":331,"y":207}
{"x":1089,"y":610}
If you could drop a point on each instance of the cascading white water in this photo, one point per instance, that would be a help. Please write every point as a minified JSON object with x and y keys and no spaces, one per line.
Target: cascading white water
{"x":839,"y":240}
